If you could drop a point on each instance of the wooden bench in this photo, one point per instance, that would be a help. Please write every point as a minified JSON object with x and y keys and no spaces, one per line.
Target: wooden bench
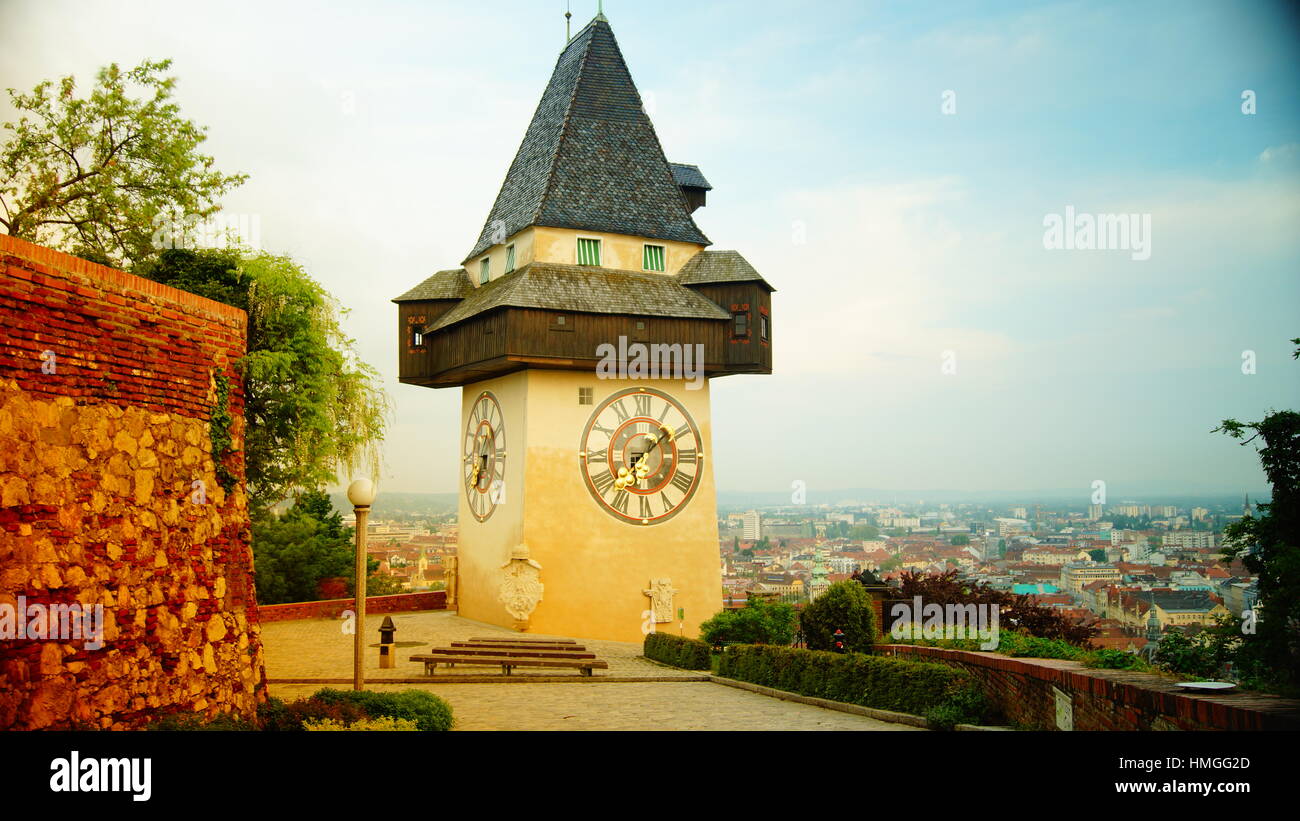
{"x":522,"y":640}
{"x":508,"y":663}
{"x":511,"y":652}
{"x":500,"y":646}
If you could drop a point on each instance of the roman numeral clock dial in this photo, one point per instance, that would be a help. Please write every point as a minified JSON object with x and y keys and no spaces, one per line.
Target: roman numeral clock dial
{"x":641,"y":456}
{"x":484,"y":451}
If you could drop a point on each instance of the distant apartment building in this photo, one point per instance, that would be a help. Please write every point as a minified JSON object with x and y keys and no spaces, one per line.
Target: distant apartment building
{"x":1019,"y":513}
{"x":753,"y":526}
{"x":1094,"y":512}
{"x":1007,"y":527}
{"x":901,"y":522}
{"x":1164,"y":511}
{"x":1049,"y":555}
{"x":1076,"y":574}
{"x":1190,"y":540}
{"x":1200,"y":514}
{"x":1133,"y":511}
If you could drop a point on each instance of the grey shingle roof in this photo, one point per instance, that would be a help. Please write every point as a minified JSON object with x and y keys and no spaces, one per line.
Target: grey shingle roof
{"x":590,"y":158}
{"x":450,"y":284}
{"x":719,"y":266}
{"x":584,"y":289}
{"x":689,"y":175}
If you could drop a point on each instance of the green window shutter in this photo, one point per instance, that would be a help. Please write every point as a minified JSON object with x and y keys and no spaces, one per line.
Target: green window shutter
{"x":483,"y":270}
{"x":510,"y":259}
{"x":588,"y":251}
{"x":652,"y":259}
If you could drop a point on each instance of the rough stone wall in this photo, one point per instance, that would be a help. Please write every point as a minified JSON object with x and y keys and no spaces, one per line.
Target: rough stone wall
{"x":107,"y":385}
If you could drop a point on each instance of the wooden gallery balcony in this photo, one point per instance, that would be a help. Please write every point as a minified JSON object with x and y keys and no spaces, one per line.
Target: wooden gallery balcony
{"x":548,"y":315}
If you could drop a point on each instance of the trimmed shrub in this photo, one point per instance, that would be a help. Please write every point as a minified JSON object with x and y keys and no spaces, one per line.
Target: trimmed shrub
{"x":190,"y":722}
{"x":884,"y":683}
{"x":759,"y":622}
{"x":688,"y":654}
{"x":843,"y":606}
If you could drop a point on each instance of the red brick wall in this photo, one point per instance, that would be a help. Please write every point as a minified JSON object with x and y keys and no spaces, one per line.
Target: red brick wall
{"x":333,"y":608}
{"x":1025,"y":692}
{"x":98,"y":456}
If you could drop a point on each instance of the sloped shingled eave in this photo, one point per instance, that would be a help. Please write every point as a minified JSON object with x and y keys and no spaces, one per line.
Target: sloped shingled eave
{"x":450,"y":284}
{"x":709,"y":267}
{"x":581,"y":289}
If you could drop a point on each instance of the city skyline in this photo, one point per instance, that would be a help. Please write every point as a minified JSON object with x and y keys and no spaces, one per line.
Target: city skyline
{"x":928,"y":339}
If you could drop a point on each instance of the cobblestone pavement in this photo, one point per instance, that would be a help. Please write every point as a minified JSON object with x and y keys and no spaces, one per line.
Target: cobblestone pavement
{"x":318,"y":648}
{"x":663,"y":705}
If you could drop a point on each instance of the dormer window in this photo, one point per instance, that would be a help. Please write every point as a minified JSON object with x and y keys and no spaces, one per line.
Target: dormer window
{"x":483,"y":270}
{"x":588,"y":251}
{"x":510,"y":258}
{"x":652,"y":257}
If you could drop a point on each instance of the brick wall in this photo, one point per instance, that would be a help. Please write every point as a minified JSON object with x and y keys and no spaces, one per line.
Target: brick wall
{"x":106,"y":390}
{"x":1026,"y":692}
{"x":333,"y":608}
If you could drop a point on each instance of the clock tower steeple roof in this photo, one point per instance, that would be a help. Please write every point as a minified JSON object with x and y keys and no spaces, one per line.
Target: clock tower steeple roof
{"x":590,"y":159}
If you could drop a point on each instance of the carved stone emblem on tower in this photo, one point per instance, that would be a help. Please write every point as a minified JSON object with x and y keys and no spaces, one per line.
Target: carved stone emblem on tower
{"x":521,"y":586}
{"x":661,"y":598}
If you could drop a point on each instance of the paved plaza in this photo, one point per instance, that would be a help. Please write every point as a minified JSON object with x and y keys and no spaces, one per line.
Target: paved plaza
{"x":633,"y":694}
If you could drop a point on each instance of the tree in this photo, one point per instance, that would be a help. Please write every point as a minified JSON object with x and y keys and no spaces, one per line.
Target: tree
{"x":843,"y":606}
{"x":864,"y":533}
{"x":95,"y":175}
{"x":311,"y":406}
{"x":959,"y":539}
{"x":1269,"y":546}
{"x":295,"y":551}
{"x":758,"y":622}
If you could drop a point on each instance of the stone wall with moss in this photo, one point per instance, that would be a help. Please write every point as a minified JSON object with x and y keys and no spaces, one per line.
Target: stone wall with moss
{"x":110,"y":494}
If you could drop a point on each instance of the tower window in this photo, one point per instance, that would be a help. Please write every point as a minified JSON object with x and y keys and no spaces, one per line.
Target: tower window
{"x":762,"y":328}
{"x":588,"y":251}
{"x":740,"y":327}
{"x":584,"y":396}
{"x":483,"y":270}
{"x":510,"y":258}
{"x":417,"y":337}
{"x":652,"y":257}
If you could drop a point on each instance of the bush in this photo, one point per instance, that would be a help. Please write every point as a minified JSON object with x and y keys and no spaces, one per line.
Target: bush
{"x":385,"y":724}
{"x":429,"y":712}
{"x":348,"y":707}
{"x":759,"y":622}
{"x":902,"y":685}
{"x":844,"y":606}
{"x":966,"y":706}
{"x":688,"y":654}
{"x":1114,"y":660}
{"x":190,"y":722}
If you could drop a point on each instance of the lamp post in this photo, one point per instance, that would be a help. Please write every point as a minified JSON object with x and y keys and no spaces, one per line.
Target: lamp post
{"x":361,"y":493}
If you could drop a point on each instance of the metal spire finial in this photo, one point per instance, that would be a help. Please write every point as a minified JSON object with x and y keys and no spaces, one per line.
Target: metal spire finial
{"x":568,"y":32}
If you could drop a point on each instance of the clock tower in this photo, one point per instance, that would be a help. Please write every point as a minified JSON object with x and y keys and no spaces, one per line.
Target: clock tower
{"x":583,"y":329}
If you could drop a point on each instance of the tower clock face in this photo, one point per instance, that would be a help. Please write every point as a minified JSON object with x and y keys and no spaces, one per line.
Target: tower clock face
{"x":641,"y":456}
{"x":484,"y":451}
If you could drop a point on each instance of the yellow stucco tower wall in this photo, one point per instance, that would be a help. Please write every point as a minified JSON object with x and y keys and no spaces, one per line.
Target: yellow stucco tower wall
{"x":594,"y":568}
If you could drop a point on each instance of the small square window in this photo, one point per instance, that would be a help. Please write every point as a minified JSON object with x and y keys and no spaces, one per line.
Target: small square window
{"x":640,"y":324}
{"x":584,"y":396}
{"x":560,"y":320}
{"x":652,"y":258}
{"x":510,"y":258}
{"x":741,"y":326}
{"x":483,"y":268}
{"x":588,"y":251}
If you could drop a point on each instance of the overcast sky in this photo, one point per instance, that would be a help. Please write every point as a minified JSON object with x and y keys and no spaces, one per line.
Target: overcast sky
{"x":377,"y":135}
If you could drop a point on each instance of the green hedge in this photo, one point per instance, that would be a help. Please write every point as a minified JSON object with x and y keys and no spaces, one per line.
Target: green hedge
{"x":689,"y":654}
{"x":885,"y":683}
{"x":429,"y":712}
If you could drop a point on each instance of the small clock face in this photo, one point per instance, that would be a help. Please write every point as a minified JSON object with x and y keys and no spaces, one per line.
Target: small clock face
{"x":484,"y":451}
{"x":641,"y":456}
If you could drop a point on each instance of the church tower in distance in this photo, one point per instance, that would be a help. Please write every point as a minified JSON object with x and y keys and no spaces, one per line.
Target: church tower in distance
{"x":583,"y":329}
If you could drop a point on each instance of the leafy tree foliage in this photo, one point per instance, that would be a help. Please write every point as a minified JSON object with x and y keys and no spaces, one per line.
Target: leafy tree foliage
{"x":758,"y":622}
{"x":311,"y":406}
{"x":294,"y":552}
{"x":1016,"y":612}
{"x":93,"y":174}
{"x":1269,"y":546}
{"x":843,"y":606}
